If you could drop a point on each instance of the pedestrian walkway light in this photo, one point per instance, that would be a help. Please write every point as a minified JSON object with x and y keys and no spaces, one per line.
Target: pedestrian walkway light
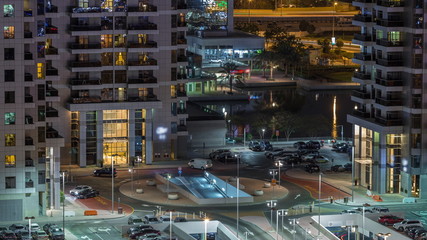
{"x":271,"y":204}
{"x":282,"y":213}
{"x":384,"y":235}
{"x":29,"y":223}
{"x":294,"y":222}
{"x":206,"y":228}
{"x":279,"y":164}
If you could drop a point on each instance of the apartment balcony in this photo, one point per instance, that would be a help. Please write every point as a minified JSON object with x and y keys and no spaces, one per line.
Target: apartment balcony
{"x":389,"y":82}
{"x":51,"y":30}
{"x":28,"y":13}
{"x":142,"y":26}
{"x":85,"y":46}
{"x":52,"y":112}
{"x":143,"y":8}
{"x":29,"y":162}
{"x":52,"y":133}
{"x":52,"y":92}
{"x":390,"y":23}
{"x":362,"y":76}
{"x":363,"y":37}
{"x":182,"y":128}
{"x":362,"y":18}
{"x":51,"y":72}
{"x":361,"y":113}
{"x":79,"y":28}
{"x":181,"y":111}
{"x":181,"y":24}
{"x":28,"y":34}
{"x":182,"y":58}
{"x":389,"y":121}
{"x":88,"y":10}
{"x":390,"y":62}
{"x":130,"y":102}
{"x":387,"y":43}
{"x":181,"y":76}
{"x":29,"y":119}
{"x":363,"y":56}
{"x":361,"y":94}
{"x":79,"y":66}
{"x":148,"y":44}
{"x":28,"y":56}
{"x":51,"y":51}
{"x":52,"y":9}
{"x":390,"y":3}
{"x":181,"y":94}
{"x":85,"y":82}
{"x":29,"y":184}
{"x":143,"y":80}
{"x":181,"y":5}
{"x":28,"y":77}
{"x":29,"y":141}
{"x":150,"y":64}
{"x":28,"y":98}
{"x":388,"y":102}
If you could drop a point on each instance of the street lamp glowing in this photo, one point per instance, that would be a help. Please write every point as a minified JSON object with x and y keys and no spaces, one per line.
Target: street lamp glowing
{"x":384,"y":235}
{"x":206,"y":228}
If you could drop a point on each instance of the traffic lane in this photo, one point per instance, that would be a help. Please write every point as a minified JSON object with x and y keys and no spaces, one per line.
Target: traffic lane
{"x":96,"y":230}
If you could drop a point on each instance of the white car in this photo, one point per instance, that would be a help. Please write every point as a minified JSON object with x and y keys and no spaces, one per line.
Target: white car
{"x":75,"y":191}
{"x":165,"y":218}
{"x":349,"y":211}
{"x":34,"y":227}
{"x":401,"y":226}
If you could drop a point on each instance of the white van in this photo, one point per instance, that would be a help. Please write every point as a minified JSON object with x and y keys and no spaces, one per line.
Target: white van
{"x":200,"y":163}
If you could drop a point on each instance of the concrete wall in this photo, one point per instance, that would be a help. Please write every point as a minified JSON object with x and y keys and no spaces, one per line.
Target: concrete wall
{"x":210,"y":132}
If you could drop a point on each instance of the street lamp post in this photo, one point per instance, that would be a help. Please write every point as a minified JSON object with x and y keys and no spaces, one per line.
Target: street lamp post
{"x":237,"y":195}
{"x":384,"y":235}
{"x":273,"y":173}
{"x":271,"y":204}
{"x":112,"y":182}
{"x":131,"y":178}
{"x":63,"y":203}
{"x":29,"y":223}
{"x":342,"y":132}
{"x":206,"y":228}
{"x":168,"y":178}
{"x":263,"y":131}
{"x":279,"y":164}
{"x":320,"y":193}
{"x":282,"y":213}
{"x":333,"y":24}
{"x":294,"y":222}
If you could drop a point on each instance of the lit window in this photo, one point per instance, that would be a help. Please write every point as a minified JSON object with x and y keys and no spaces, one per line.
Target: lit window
{"x":40,"y":70}
{"x":10,"y":161}
{"x":9,"y":32}
{"x":9,"y":118}
{"x":8,"y":10}
{"x":9,"y":140}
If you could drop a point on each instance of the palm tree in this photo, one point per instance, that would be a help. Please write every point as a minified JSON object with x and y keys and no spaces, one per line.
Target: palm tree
{"x":270,"y":59}
{"x":229,"y":67}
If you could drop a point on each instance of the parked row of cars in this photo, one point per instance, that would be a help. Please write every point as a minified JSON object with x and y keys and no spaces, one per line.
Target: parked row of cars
{"x":20,"y":232}
{"x":412,"y":227}
{"x":259,"y":146}
{"x":141,"y":228}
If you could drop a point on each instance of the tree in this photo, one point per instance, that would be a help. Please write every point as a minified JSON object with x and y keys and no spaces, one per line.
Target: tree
{"x":291,"y":52}
{"x":229,"y":67}
{"x":273,"y":32}
{"x":288,"y":123}
{"x":248,"y":27}
{"x":303,"y":25}
{"x":269,"y":59}
{"x":325,"y":44}
{"x":339,"y":43}
{"x":316,"y":125}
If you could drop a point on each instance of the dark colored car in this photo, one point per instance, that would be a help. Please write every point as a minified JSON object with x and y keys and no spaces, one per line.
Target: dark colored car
{"x":16,"y":227}
{"x":213,"y":154}
{"x":88,"y":193}
{"x":47,"y":226}
{"x":135,"y":234}
{"x":104,"y":172}
{"x":267,"y":145}
{"x":412,"y":231}
{"x":300,"y":145}
{"x":180,"y":219}
{"x":139,"y":228}
{"x":348,"y":167}
{"x":311,"y":168}
{"x":56,"y":234}
{"x":313,"y":144}
{"x":8,"y":235}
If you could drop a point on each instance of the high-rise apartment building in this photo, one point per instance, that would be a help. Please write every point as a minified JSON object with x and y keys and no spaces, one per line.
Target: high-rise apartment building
{"x":388,"y":119}
{"x":86,"y":82}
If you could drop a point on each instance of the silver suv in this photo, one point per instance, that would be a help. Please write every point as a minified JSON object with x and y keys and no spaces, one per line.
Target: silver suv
{"x":401,"y":226}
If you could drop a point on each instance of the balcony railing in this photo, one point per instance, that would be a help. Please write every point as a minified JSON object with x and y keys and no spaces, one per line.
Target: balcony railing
{"x":85,"y":28}
{"x":29,"y":141}
{"x":28,"y":13}
{"x":181,"y":94}
{"x":182,"y":58}
{"x":389,"y":121}
{"x":390,"y":23}
{"x":363,"y":18}
{"x":144,"y":8}
{"x":52,"y":92}
{"x":77,"y":82}
{"x":148,"y":44}
{"x":28,"y":98}
{"x":361,"y":113}
{"x":150,"y":62}
{"x":390,"y":3}
{"x":142,"y":26}
{"x":28,"y":119}
{"x":388,"y":102}
{"x":79,"y":64}
{"x":88,"y":10}
{"x":29,"y":184}
{"x":28,"y":34}
{"x":52,"y":133}
{"x":363,"y":56}
{"x":98,"y":99}
{"x":182,"y":128}
{"x":51,"y":30}
{"x":29,"y":162}
{"x":389,"y":82}
{"x":52,"y":112}
{"x":181,"y":24}
{"x":360,"y":94}
{"x":181,"y":41}
{"x":388,"y":43}
{"x":28,"y":56}
{"x":362,"y":75}
{"x":52,"y":9}
{"x":181,"y":111}
{"x":51,"y":51}
{"x":389,"y":63}
{"x":150,"y":79}
{"x":28,"y":77}
{"x":181,"y":76}
{"x":85,"y":46}
{"x":362,"y":37}
{"x":51,"y":72}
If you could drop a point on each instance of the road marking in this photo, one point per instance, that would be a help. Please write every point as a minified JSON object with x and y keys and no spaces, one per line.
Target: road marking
{"x":297,"y":196}
{"x":104,"y":229}
{"x":86,"y":237}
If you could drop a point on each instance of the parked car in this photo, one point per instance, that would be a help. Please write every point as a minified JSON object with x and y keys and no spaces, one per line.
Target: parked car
{"x":420,"y":233}
{"x":48,"y":225}
{"x":273,"y":151}
{"x":180,"y":219}
{"x":200,"y":163}
{"x":311,"y":168}
{"x":150,"y":219}
{"x":313,"y":144}
{"x":337,"y":168}
{"x":380,"y":209}
{"x":367,"y":210}
{"x":309,"y":156}
{"x":133,"y":219}
{"x":349,"y":211}
{"x":165,"y":218}
{"x":34,"y":227}
{"x":267,"y":145}
{"x":75,"y":191}
{"x":320,"y":159}
{"x":88,"y":193}
{"x":389,"y":219}
{"x":24,"y":235}
{"x":230,"y":141}
{"x":149,"y":236}
{"x":16,"y":227}
{"x":401,"y":226}
{"x":3,"y":228}
{"x":348,"y":167}
{"x":8,"y":235}
{"x":255,"y":146}
{"x":40,"y":235}
{"x":56,"y":234}
{"x":135,"y":235}
{"x":414,"y":230}
{"x":137,"y":228}
{"x":216,"y":152}
{"x":229,"y":156}
{"x":299,"y":145}
{"x":104,"y":172}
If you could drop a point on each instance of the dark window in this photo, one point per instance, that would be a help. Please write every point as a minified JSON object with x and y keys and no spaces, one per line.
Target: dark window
{"x":9,"y":97}
{"x":10,"y":182}
{"x":9,"y":54}
{"x":9,"y":75}
{"x":42,"y":177}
